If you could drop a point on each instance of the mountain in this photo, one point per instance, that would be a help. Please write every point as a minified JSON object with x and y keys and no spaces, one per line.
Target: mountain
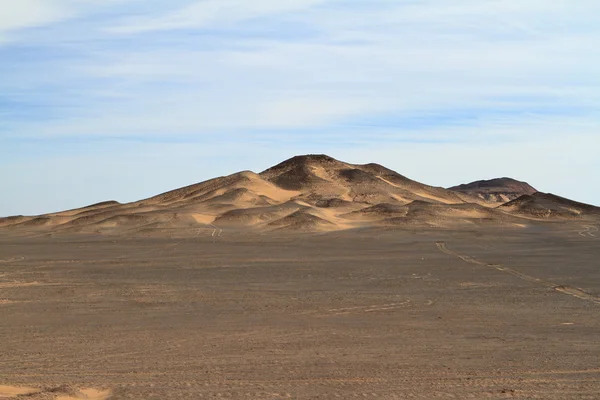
{"x":312,"y":193}
{"x":499,"y":190}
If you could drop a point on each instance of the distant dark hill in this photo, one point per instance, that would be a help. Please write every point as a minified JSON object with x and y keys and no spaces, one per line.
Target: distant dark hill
{"x":547,"y":206}
{"x":499,"y":190}
{"x":312,"y":193}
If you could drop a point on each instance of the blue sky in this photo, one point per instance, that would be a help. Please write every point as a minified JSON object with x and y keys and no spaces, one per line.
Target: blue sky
{"x":123,"y":99}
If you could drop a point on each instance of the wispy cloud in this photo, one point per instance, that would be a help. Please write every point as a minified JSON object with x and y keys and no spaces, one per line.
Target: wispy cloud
{"x":211,"y":13}
{"x":30,"y":13}
{"x":288,"y":77}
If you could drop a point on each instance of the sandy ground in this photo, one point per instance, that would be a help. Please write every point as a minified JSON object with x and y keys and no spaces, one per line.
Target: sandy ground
{"x":369,"y":314}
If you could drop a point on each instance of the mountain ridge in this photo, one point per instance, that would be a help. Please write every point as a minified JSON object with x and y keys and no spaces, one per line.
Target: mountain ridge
{"x":315,"y":192}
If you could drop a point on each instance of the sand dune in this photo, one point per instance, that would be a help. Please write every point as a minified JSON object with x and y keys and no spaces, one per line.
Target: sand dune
{"x":313,"y":192}
{"x":14,"y":220}
{"x":91,"y":208}
{"x":302,"y":221}
{"x":258,"y":215}
{"x":378,"y":212}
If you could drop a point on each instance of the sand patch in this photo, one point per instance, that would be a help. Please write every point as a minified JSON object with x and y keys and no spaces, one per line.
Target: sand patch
{"x":8,"y":392}
{"x":203,"y":218}
{"x":57,"y":393}
{"x":88,"y":394}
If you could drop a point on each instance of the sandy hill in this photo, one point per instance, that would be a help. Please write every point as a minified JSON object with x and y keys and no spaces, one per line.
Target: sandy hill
{"x":549,"y":206}
{"x":321,"y":178}
{"x":312,"y":193}
{"x":499,"y":190}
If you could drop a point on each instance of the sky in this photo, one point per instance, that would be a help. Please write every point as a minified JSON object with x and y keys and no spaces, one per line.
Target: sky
{"x":124,"y":99}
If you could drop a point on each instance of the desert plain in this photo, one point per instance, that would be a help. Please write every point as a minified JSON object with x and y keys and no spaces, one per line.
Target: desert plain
{"x":374,"y":313}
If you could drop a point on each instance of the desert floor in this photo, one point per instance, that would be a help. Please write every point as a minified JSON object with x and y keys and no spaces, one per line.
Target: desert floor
{"x":379,"y":314}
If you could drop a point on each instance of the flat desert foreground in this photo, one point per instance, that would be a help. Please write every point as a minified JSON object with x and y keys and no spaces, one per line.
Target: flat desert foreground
{"x":369,"y":314}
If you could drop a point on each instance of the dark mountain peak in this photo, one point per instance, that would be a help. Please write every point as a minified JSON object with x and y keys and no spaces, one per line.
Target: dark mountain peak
{"x":303,"y":161}
{"x":497,"y":184}
{"x":300,"y":172}
{"x":498,"y":190}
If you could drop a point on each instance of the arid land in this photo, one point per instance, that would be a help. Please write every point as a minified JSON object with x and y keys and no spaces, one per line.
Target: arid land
{"x":382,"y":313}
{"x":315,"y":278}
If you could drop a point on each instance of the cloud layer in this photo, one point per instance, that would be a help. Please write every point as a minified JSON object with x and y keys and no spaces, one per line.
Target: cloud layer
{"x":469,"y":88}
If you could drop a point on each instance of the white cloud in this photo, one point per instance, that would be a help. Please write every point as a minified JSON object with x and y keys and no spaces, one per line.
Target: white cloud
{"x":17,"y":15}
{"x":29,"y":13}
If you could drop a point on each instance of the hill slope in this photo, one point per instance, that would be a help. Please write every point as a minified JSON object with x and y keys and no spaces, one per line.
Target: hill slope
{"x":312,"y":193}
{"x":549,"y":206}
{"x":499,"y":190}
